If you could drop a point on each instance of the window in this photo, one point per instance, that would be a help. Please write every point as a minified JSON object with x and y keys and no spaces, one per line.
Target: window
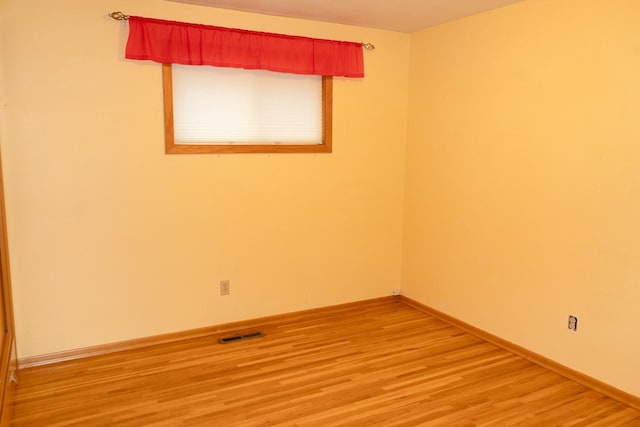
{"x":230,"y":110}
{"x":172,"y":42}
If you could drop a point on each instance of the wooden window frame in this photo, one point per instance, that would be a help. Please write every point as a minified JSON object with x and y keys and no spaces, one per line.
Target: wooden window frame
{"x":172,"y":148}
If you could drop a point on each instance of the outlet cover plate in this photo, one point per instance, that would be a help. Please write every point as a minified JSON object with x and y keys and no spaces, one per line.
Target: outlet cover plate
{"x":225,"y":287}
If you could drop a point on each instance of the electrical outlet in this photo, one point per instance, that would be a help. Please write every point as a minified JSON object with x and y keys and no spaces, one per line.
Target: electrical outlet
{"x":395,"y":292}
{"x":225,"y":287}
{"x":572,"y":323}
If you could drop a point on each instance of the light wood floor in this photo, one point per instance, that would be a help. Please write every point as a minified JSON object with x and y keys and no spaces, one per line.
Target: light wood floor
{"x":381,"y":364}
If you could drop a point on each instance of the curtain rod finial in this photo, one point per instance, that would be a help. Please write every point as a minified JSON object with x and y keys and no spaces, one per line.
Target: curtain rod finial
{"x":119,"y":16}
{"x":368,"y":46}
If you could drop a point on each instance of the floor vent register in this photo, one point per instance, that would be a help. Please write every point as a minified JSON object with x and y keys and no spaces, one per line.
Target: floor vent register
{"x":235,"y":338}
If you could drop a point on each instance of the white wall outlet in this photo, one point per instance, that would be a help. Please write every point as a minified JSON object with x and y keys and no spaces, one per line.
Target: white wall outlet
{"x":225,"y":287}
{"x":395,"y":292}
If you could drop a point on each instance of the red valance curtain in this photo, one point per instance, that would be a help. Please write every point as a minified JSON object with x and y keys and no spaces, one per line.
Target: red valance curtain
{"x":193,"y":44}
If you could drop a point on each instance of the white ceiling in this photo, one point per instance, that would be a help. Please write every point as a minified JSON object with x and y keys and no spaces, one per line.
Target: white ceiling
{"x":398,"y":15}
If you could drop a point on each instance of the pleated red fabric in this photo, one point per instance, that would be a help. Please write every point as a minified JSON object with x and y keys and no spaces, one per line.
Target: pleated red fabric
{"x":171,"y":42}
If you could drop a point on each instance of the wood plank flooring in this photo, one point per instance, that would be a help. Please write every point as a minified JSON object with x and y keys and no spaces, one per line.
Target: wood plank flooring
{"x":382,"y":363}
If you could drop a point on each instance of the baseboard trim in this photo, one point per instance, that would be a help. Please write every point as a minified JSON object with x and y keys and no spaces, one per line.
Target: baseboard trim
{"x":239,"y":327}
{"x":604,"y":388}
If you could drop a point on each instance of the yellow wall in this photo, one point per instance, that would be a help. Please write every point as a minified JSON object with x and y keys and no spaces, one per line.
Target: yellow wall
{"x":523,"y":179}
{"x":111,"y":239}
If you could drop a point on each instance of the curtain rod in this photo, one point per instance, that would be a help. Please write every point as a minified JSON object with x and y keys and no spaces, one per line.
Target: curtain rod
{"x":119,"y":16}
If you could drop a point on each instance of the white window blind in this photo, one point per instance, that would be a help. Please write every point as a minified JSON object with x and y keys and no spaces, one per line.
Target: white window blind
{"x":214,"y":105}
